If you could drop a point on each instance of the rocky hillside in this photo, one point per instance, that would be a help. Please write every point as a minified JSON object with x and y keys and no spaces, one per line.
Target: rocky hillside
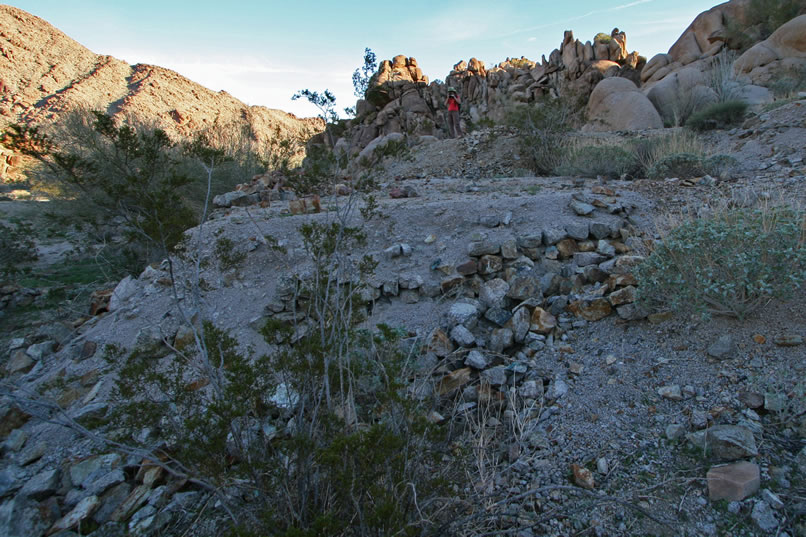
{"x":518,"y":290}
{"x":568,"y":405}
{"x":44,"y":74}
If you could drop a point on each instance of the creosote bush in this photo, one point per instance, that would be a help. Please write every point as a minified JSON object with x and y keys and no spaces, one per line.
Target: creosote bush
{"x":728,"y":264}
{"x":132,"y":176}
{"x":322,"y":437}
{"x":718,"y":116}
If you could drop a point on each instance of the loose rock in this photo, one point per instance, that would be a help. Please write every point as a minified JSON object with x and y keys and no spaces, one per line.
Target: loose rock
{"x":733,"y":482}
{"x":727,"y":442}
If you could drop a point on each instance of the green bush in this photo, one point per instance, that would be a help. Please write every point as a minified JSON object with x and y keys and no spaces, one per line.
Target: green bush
{"x":130,"y":174}
{"x":602,"y":37}
{"x":608,"y":161}
{"x":322,"y":437}
{"x":228,"y":254}
{"x":17,"y":247}
{"x":689,"y":165}
{"x":789,"y":83}
{"x":680,"y":165}
{"x":317,"y":173}
{"x":729,"y":264}
{"x":484,"y":123}
{"x":395,"y":149}
{"x":718,"y":116}
{"x":543,"y":127}
{"x":720,"y":165}
{"x":649,"y":151}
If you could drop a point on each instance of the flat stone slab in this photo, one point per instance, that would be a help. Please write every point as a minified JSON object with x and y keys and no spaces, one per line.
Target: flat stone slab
{"x":733,"y":482}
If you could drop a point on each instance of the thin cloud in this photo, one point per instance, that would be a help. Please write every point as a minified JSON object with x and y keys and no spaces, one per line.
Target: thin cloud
{"x":577,"y":18}
{"x":444,"y":27}
{"x":220,"y":64}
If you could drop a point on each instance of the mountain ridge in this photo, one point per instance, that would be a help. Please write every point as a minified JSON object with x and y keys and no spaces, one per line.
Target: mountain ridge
{"x":44,"y":74}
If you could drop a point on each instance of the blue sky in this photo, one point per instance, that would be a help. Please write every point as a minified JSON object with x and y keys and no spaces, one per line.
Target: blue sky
{"x":263,"y":51}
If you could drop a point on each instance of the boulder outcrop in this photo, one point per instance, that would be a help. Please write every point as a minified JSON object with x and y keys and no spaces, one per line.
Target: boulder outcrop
{"x":784,"y":50}
{"x":618,"y":104}
{"x":401,"y":100}
{"x":699,"y":68}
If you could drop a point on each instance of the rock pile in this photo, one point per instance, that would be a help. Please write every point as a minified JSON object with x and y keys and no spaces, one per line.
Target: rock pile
{"x":120,"y":494}
{"x":12,"y":295}
{"x":261,"y":190}
{"x":511,"y":299}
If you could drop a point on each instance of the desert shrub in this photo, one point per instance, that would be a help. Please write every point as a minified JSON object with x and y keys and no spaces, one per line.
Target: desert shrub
{"x":228,"y":255}
{"x":602,"y":37}
{"x":247,"y":155}
{"x":131,"y":173}
{"x":17,"y":247}
{"x":720,"y":165}
{"x":317,"y":172}
{"x":649,"y":151}
{"x":321,"y":438}
{"x":789,"y":83}
{"x":728,"y":264}
{"x":690,"y":165}
{"x":392,"y":149}
{"x":682,"y":106}
{"x":680,"y":165}
{"x":544,"y":127}
{"x":722,"y":79}
{"x":395,"y":149}
{"x":608,"y":161}
{"x":718,"y":116}
{"x":484,"y":123}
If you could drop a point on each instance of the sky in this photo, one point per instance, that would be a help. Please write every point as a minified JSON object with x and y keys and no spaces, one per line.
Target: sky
{"x":262,"y":52}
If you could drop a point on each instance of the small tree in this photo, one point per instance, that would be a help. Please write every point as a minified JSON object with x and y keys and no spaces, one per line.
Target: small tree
{"x":363,"y":75}
{"x":133,"y":174}
{"x":325,"y":102}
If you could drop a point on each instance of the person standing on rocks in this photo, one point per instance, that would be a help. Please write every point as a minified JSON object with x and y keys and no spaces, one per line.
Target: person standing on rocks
{"x":453,"y":102}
